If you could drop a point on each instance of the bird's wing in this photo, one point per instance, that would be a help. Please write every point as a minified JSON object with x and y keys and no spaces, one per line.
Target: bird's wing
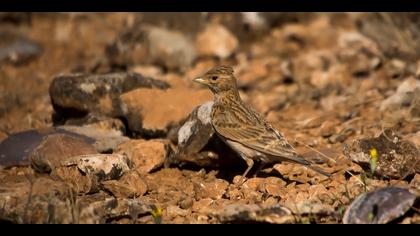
{"x":244,"y":125}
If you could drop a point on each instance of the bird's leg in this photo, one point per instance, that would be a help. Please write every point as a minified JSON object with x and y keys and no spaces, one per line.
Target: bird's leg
{"x":250,"y":164}
{"x":262,"y":164}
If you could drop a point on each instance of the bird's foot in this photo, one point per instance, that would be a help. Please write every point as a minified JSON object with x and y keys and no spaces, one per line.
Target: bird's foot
{"x":238,"y":181}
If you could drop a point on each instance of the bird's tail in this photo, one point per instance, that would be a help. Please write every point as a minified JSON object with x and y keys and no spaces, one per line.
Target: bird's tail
{"x":319,"y":170}
{"x":310,"y":165}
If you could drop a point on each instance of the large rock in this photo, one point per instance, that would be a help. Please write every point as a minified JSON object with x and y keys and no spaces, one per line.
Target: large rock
{"x":395,"y":158}
{"x":16,"y":48}
{"x":198,"y":144}
{"x":145,"y":155}
{"x":380,"y":206}
{"x":74,"y":95}
{"x":102,"y":166}
{"x":57,"y":148}
{"x":217,"y":41}
{"x":16,"y":148}
{"x":171,"y":49}
{"x":147,"y":44}
{"x":152,"y":112}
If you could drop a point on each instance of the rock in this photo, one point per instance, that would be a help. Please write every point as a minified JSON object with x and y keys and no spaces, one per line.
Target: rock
{"x":328,"y":128}
{"x":145,"y":44}
{"x":57,"y":148}
{"x":415,"y":182}
{"x":174,"y":211}
{"x":77,"y":181}
{"x":247,"y":213}
{"x":101,"y":166}
{"x":104,"y":140}
{"x":129,"y":185}
{"x":266,"y":102}
{"x":214,"y":189}
{"x":217,"y":41}
{"x":254,"y":71}
{"x":169,"y":48}
{"x":198,"y":144}
{"x":17,"y":49}
{"x":379,"y":207}
{"x":148,"y":70}
{"x":152,"y":117}
{"x":274,"y":186}
{"x":402,"y":97}
{"x":396,"y":158}
{"x":74,"y":95}
{"x":100,"y":208}
{"x":414,"y":110}
{"x":186,"y":203}
{"x":16,"y":148}
{"x":396,"y":69}
{"x":146,"y":156}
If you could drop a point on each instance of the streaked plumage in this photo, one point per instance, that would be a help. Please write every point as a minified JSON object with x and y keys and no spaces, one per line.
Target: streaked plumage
{"x":243,"y":129}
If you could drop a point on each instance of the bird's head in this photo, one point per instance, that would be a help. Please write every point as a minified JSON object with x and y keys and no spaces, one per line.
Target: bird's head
{"x":219,"y":79}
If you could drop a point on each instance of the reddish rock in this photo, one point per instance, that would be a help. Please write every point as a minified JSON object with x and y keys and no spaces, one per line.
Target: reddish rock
{"x":57,"y":148}
{"x":252,"y":73}
{"x":328,"y":128}
{"x":145,"y":155}
{"x":129,"y":185}
{"x":202,"y":205}
{"x":97,"y":93}
{"x":154,"y":111}
{"x":274,"y":186}
{"x":214,"y":190}
{"x":217,"y":41}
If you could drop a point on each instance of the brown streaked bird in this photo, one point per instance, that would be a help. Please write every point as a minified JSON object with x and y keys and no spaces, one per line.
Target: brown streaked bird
{"x":243,"y":129}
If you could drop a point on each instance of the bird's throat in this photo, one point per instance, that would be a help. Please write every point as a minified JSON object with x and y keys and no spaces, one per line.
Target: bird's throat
{"x":226,"y":96}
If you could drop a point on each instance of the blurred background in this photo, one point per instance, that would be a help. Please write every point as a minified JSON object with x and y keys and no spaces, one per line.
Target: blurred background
{"x":318,"y":53}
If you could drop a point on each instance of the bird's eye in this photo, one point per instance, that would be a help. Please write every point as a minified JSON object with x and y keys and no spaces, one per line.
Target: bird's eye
{"x":214,"y":78}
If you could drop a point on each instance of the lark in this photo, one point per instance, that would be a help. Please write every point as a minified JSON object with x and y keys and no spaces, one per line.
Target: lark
{"x":242,"y":128}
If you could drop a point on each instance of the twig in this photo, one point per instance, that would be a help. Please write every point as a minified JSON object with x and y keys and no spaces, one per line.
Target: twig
{"x":322,"y":154}
{"x":25,"y":212}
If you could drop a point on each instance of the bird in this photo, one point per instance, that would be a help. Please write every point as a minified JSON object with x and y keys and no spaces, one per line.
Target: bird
{"x":242,"y":128}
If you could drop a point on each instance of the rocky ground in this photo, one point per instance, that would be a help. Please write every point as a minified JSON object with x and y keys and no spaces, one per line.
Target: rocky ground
{"x":101,"y":123}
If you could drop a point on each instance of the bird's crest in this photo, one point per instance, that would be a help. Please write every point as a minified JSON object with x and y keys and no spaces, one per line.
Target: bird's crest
{"x":223,"y":69}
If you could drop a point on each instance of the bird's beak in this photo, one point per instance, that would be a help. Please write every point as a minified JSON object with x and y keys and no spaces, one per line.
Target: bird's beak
{"x":200,"y":80}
